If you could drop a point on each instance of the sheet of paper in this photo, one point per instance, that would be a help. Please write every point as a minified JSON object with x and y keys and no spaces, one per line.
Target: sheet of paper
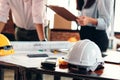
{"x":113,"y":57}
{"x":22,"y":59}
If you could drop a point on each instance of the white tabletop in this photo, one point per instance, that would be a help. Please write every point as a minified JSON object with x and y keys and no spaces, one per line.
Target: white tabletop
{"x":21,"y":58}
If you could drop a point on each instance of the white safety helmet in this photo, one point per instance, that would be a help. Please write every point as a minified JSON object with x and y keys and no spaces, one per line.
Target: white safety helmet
{"x":86,"y":54}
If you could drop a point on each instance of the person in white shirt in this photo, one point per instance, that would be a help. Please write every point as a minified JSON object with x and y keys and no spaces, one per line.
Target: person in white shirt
{"x":94,"y":20}
{"x":28,"y":16}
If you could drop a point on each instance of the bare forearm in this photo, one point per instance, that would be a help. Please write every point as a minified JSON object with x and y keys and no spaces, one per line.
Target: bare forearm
{"x":93,"y":21}
{"x":1,"y":26}
{"x":85,"y":20}
{"x":40,"y":31}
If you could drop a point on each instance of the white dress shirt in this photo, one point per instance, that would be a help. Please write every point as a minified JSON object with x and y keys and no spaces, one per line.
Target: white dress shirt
{"x":25,"y":12}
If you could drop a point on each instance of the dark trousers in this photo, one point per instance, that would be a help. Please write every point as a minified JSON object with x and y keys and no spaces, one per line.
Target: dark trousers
{"x":25,"y":35}
{"x":98,"y":36}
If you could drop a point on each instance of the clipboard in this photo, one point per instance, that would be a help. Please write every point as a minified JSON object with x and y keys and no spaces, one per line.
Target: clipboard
{"x":63,"y":12}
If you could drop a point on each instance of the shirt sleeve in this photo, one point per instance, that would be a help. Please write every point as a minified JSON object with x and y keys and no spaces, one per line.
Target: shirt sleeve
{"x":4,"y":11}
{"x":104,"y":14}
{"x":38,"y":11}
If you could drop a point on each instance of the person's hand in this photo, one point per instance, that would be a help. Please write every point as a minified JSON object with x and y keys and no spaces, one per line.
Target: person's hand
{"x":44,"y":39}
{"x":83,"y":20}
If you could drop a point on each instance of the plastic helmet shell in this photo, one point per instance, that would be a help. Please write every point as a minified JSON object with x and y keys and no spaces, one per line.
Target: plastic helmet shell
{"x":84,"y":53}
{"x":5,"y":43}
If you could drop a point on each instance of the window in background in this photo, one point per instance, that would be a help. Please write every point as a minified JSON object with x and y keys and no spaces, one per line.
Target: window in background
{"x":68,"y":4}
{"x":117,"y":17}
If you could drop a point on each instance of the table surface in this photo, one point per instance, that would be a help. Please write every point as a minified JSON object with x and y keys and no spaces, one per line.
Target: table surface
{"x":110,"y":71}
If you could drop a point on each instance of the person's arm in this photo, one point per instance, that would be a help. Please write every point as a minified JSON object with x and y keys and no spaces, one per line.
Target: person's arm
{"x":84,"y":20}
{"x":1,"y":26}
{"x":4,"y":12}
{"x":40,"y":31}
{"x":104,"y":10}
{"x":38,"y":12}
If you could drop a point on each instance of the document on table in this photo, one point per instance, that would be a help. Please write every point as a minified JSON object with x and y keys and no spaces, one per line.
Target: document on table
{"x":113,"y":57}
{"x":21,"y":58}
